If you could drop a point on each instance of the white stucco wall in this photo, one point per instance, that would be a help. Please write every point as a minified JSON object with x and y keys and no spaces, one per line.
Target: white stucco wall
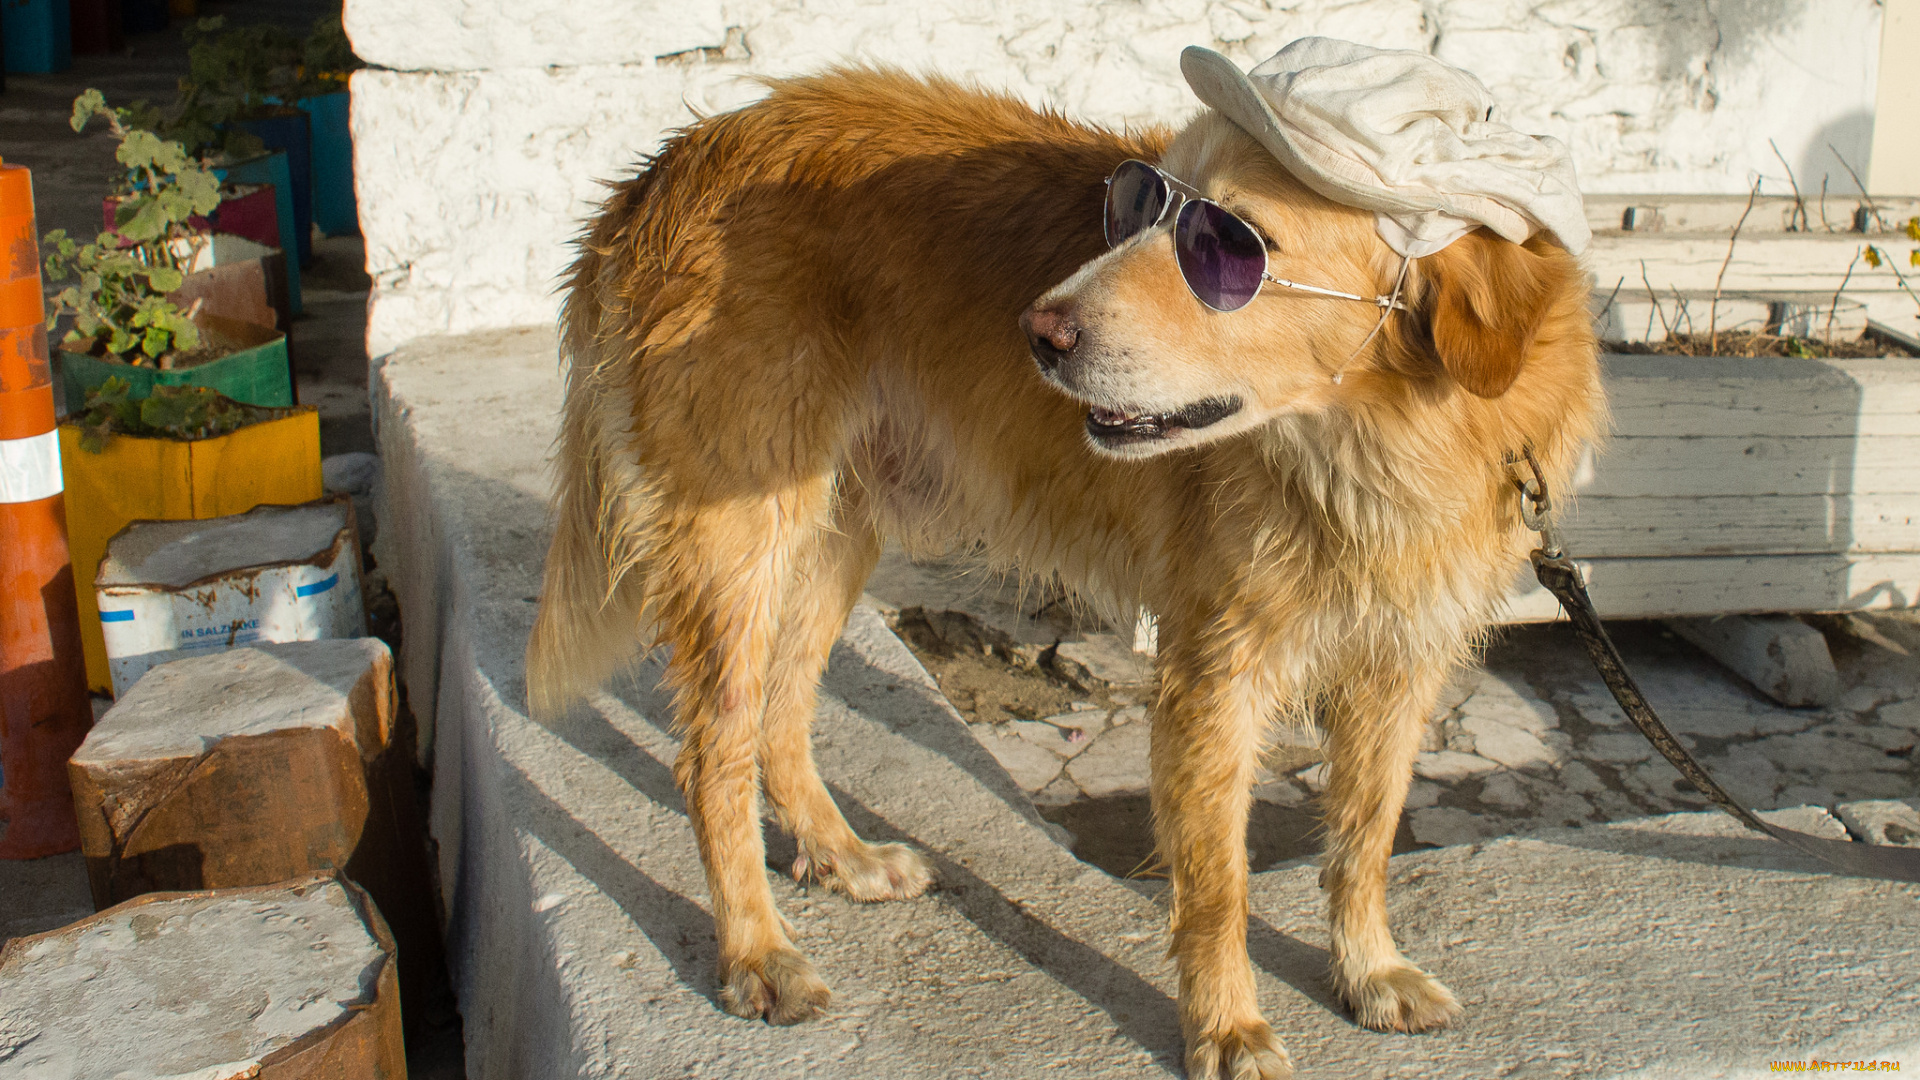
{"x":482,"y":130}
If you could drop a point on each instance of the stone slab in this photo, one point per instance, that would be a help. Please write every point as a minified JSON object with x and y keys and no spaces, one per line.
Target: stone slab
{"x":294,"y":981}
{"x":582,"y":944}
{"x":240,"y":768}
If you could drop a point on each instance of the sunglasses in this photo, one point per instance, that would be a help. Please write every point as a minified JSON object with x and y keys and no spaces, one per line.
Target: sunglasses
{"x":1222,"y":259}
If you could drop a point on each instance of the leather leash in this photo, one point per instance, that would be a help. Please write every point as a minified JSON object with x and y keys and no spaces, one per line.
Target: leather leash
{"x":1562,"y":578}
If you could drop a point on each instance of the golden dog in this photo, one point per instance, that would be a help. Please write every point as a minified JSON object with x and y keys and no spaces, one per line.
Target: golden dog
{"x":812,"y":323}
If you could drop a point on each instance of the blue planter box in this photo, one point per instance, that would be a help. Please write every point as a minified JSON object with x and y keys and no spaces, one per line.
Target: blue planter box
{"x":38,"y":34}
{"x":291,"y":134}
{"x":334,"y":209}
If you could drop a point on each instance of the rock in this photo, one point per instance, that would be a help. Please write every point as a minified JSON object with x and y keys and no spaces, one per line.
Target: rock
{"x":1447,"y":766}
{"x":1505,"y":790}
{"x":296,"y":979}
{"x":1618,"y":747}
{"x":1103,"y":659}
{"x":1280,"y":793}
{"x":1497,"y":700}
{"x":1314,"y":777}
{"x":1783,"y":658}
{"x":1115,"y":764}
{"x":1577,"y":777}
{"x":351,"y":474}
{"x":1446,"y":825}
{"x":1812,"y":820}
{"x":355,"y":474}
{"x":1423,"y":793}
{"x":1884,"y":821}
{"x":1510,"y":746}
{"x":1066,"y":735}
{"x":241,"y":768}
{"x":1904,"y":714}
{"x":1032,"y":767}
{"x":1826,"y":749}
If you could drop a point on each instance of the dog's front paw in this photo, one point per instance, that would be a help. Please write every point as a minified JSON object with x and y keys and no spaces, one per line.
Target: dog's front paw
{"x":779,"y":984}
{"x":1248,"y":1051}
{"x":869,"y":873}
{"x":1399,"y":998}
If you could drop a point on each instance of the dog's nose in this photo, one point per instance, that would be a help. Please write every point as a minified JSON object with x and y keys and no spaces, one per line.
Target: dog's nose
{"x":1051,"y":334}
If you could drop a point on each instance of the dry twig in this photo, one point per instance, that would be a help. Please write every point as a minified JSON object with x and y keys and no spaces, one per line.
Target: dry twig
{"x":1796,"y":221}
{"x":1713,"y":313}
{"x":1655,"y":297}
{"x":1835,"y":306}
{"x":1857,"y":182}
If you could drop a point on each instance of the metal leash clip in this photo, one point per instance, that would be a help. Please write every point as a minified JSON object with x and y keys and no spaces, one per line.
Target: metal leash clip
{"x":1536,"y":505}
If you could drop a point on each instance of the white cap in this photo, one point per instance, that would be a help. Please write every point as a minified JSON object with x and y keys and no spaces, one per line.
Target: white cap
{"x":1399,"y":133}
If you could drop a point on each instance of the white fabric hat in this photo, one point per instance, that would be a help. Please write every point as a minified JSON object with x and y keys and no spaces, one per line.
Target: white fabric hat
{"x":1399,"y":133}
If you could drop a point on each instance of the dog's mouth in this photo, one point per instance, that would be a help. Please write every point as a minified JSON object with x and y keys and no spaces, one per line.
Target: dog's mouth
{"x":1124,"y":427}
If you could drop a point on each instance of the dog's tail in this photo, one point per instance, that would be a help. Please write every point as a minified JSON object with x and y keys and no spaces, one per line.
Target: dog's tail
{"x":593,"y":602}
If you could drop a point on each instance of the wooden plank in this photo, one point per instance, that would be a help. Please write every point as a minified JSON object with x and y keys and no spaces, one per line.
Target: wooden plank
{"x":1742,"y":524}
{"x":1764,"y":262}
{"x":1607,"y":213}
{"x":1774,"y":396}
{"x":1756,"y":465}
{"x":1661,"y":588}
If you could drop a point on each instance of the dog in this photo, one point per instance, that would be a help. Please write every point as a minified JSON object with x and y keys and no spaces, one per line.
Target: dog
{"x":873,"y":305}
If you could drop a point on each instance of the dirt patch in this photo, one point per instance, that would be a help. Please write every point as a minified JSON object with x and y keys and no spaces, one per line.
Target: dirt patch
{"x":1748,"y":344}
{"x":989,"y":677}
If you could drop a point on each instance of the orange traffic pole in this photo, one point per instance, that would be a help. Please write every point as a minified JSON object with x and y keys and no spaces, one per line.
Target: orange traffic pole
{"x":44,"y":708}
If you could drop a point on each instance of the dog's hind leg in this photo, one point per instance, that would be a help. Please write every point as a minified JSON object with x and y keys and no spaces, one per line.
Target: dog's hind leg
{"x":720,"y":589}
{"x":1373,"y":732}
{"x":830,"y":573}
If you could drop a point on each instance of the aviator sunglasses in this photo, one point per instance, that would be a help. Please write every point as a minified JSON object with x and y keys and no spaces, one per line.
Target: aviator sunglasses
{"x":1222,"y":259}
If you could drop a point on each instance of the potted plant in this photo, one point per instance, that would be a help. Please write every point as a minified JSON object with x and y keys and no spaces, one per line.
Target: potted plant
{"x":177,"y":453}
{"x":236,"y":98}
{"x":123,"y":322}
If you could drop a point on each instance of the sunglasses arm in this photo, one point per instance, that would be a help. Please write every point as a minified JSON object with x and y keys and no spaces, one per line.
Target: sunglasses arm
{"x":1376,"y":301}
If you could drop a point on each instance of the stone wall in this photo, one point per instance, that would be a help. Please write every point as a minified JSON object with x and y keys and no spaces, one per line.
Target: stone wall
{"x":483,"y":128}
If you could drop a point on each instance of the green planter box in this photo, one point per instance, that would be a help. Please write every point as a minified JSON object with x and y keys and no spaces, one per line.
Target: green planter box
{"x":255,"y":375}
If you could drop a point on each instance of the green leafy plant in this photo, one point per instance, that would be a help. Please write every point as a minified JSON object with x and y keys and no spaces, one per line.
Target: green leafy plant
{"x":118,"y":304}
{"x":170,"y":412}
{"x":326,"y":58}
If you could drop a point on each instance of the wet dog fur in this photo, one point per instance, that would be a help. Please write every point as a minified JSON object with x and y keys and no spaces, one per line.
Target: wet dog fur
{"x":872,"y":305}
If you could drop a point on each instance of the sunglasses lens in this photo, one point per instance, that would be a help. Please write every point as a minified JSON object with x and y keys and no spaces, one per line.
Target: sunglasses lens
{"x":1221,"y":256}
{"x":1136,"y":197}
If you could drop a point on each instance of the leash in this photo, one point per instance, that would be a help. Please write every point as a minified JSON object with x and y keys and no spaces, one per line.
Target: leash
{"x":1562,"y":578}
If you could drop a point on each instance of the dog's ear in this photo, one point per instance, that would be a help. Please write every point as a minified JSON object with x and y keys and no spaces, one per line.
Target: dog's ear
{"x":1485,"y":300}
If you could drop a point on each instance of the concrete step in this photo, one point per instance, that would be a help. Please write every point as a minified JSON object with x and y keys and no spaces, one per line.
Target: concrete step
{"x":1674,"y":947}
{"x":290,"y":980}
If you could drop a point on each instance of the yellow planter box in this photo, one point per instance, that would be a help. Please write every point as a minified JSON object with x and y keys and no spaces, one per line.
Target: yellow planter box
{"x":274,"y":461}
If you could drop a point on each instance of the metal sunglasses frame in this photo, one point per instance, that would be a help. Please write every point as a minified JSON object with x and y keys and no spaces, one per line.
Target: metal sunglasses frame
{"x":1189,"y":193}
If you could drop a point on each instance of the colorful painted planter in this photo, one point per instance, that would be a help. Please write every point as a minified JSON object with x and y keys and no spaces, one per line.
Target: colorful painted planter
{"x":255,"y":375}
{"x":334,"y":208}
{"x":38,"y":36}
{"x":275,"y":461}
{"x":291,"y":133}
{"x":272,"y":168}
